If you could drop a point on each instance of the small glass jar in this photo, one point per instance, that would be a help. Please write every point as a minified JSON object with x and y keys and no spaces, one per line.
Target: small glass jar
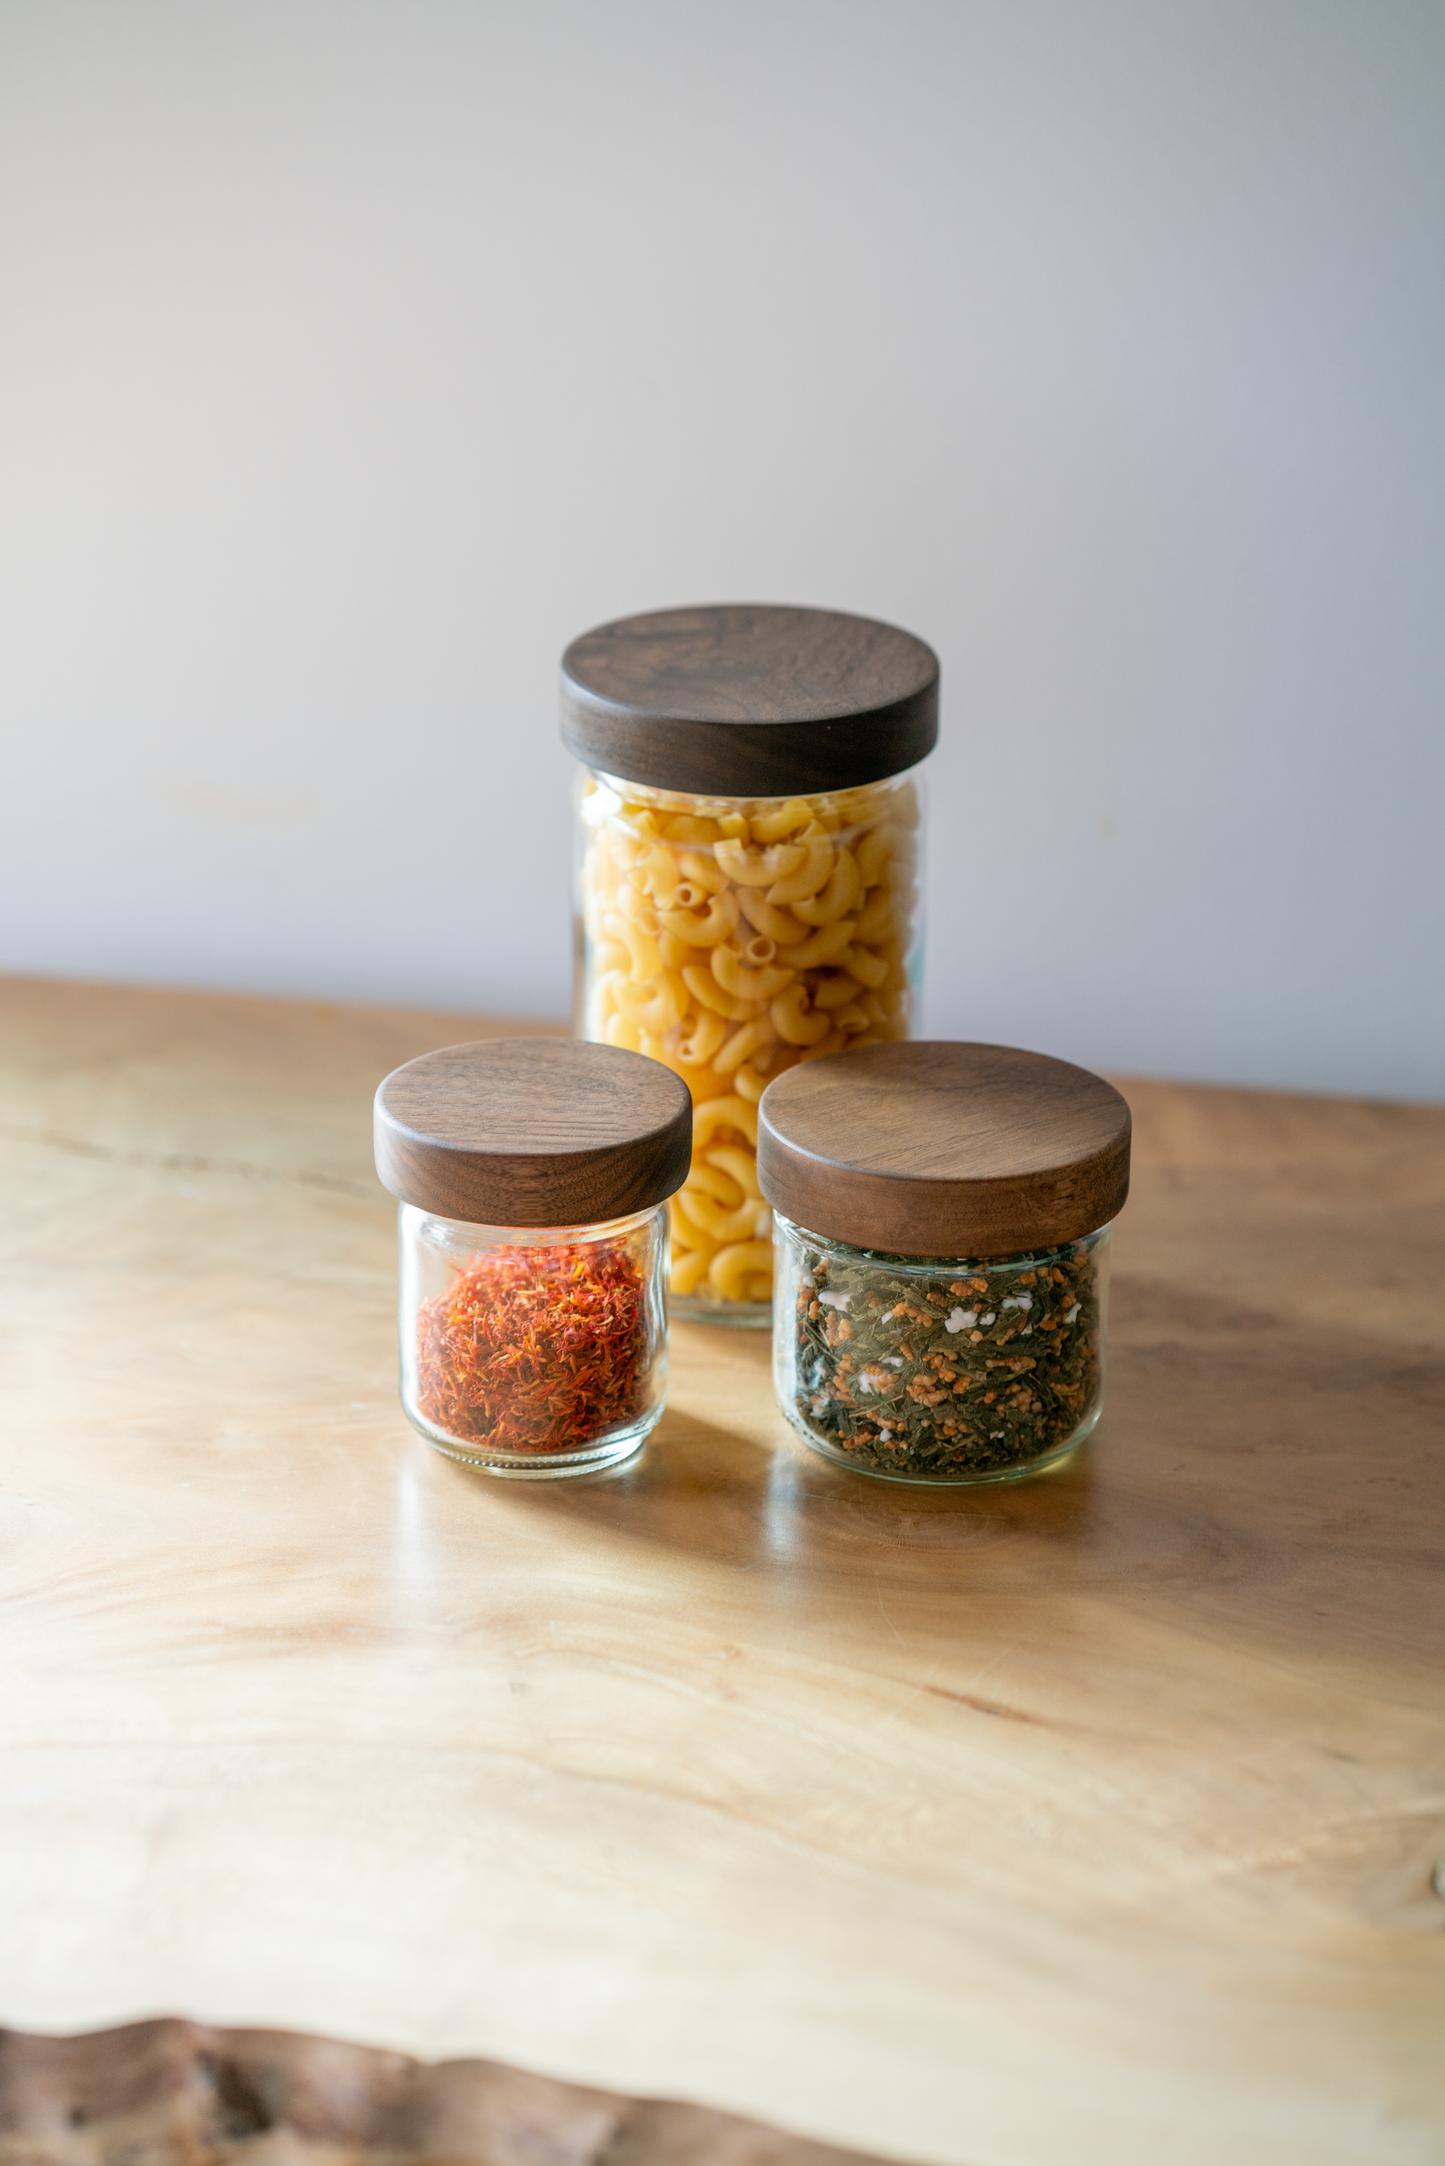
{"x":941,"y":1316}
{"x":532,"y":1176}
{"x":533,"y":1350}
{"x":951,"y":1370}
{"x":748,"y":869}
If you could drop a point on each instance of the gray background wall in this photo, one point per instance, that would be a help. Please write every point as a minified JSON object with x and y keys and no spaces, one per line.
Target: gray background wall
{"x":356,"y":355}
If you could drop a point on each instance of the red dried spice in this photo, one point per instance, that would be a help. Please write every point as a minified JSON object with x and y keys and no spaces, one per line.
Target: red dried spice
{"x":536,"y":1349}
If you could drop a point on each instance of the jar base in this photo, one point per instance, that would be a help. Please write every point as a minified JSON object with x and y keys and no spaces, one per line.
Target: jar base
{"x":549,"y":1466}
{"x":1048,"y":1463}
{"x":734,"y":1315}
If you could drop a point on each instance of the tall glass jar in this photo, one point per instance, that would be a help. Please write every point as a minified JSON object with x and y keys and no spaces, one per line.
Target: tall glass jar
{"x":942,"y":1277}
{"x":533,"y":1177}
{"x":748,"y":879}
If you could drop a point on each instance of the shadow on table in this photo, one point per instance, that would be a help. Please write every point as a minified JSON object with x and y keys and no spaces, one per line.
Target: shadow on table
{"x":1250,"y":1470}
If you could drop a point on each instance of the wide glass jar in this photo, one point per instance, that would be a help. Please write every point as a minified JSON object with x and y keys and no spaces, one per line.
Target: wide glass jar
{"x":748,"y":879}
{"x":942,"y":1291}
{"x":532,"y":1176}
{"x":940,"y":1369}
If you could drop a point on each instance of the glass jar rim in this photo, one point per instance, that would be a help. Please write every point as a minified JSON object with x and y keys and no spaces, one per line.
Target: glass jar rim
{"x":413,"y":1217}
{"x":930,"y":1266}
{"x":696,"y":801}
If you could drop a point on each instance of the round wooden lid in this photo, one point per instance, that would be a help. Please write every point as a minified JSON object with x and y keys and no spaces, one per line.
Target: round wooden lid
{"x":747,"y":700}
{"x":938,"y":1149}
{"x":533,"y":1132}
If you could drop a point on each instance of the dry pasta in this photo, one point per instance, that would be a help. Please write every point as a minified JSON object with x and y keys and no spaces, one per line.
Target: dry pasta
{"x":729,"y":938}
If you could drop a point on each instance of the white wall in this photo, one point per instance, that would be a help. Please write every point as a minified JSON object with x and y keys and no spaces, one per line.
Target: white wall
{"x":356,"y":355}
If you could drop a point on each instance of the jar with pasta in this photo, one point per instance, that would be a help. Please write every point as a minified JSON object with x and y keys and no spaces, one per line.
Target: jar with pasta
{"x":748,"y":879}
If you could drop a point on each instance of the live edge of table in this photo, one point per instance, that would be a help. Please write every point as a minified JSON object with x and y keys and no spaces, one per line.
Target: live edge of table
{"x":1092,"y":1820}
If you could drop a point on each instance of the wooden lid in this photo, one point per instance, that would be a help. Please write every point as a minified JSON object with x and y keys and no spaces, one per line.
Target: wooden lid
{"x":747,"y":700}
{"x":937,"y":1149}
{"x":533,"y":1132}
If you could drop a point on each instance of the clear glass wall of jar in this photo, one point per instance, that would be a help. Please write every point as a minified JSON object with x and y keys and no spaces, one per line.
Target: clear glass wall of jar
{"x":935,"y":1369}
{"x":748,"y":879}
{"x":533,"y":1176}
{"x":533,"y":1350}
{"x":730,"y":938}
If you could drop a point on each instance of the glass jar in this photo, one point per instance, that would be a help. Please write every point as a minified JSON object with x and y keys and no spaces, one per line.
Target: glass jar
{"x":533,"y":1178}
{"x":949,"y":1370}
{"x":942,"y":1217}
{"x":747,"y":875}
{"x":533,"y":1350}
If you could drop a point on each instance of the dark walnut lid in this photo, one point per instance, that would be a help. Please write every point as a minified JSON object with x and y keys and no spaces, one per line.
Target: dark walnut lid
{"x":533,"y":1132}
{"x":748,"y":700}
{"x":940,"y":1149}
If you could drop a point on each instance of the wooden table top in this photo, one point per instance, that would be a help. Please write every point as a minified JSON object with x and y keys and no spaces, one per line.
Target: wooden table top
{"x":1091,"y":1820}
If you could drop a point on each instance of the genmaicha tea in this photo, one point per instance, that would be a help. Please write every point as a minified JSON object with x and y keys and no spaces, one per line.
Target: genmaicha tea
{"x":942,"y":1219}
{"x":941,"y":1378}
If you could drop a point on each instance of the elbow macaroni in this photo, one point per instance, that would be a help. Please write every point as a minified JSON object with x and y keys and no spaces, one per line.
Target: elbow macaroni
{"x":729,"y":938}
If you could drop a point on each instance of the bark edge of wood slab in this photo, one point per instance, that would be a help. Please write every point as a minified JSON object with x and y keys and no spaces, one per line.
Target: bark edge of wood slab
{"x":170,"y":2092}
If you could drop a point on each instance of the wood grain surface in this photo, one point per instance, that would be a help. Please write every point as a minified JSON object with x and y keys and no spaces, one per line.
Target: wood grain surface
{"x":750,"y":700}
{"x":532,"y":1132}
{"x":934,"y":1148}
{"x":173,"y":2093}
{"x":1094,"y":1820}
